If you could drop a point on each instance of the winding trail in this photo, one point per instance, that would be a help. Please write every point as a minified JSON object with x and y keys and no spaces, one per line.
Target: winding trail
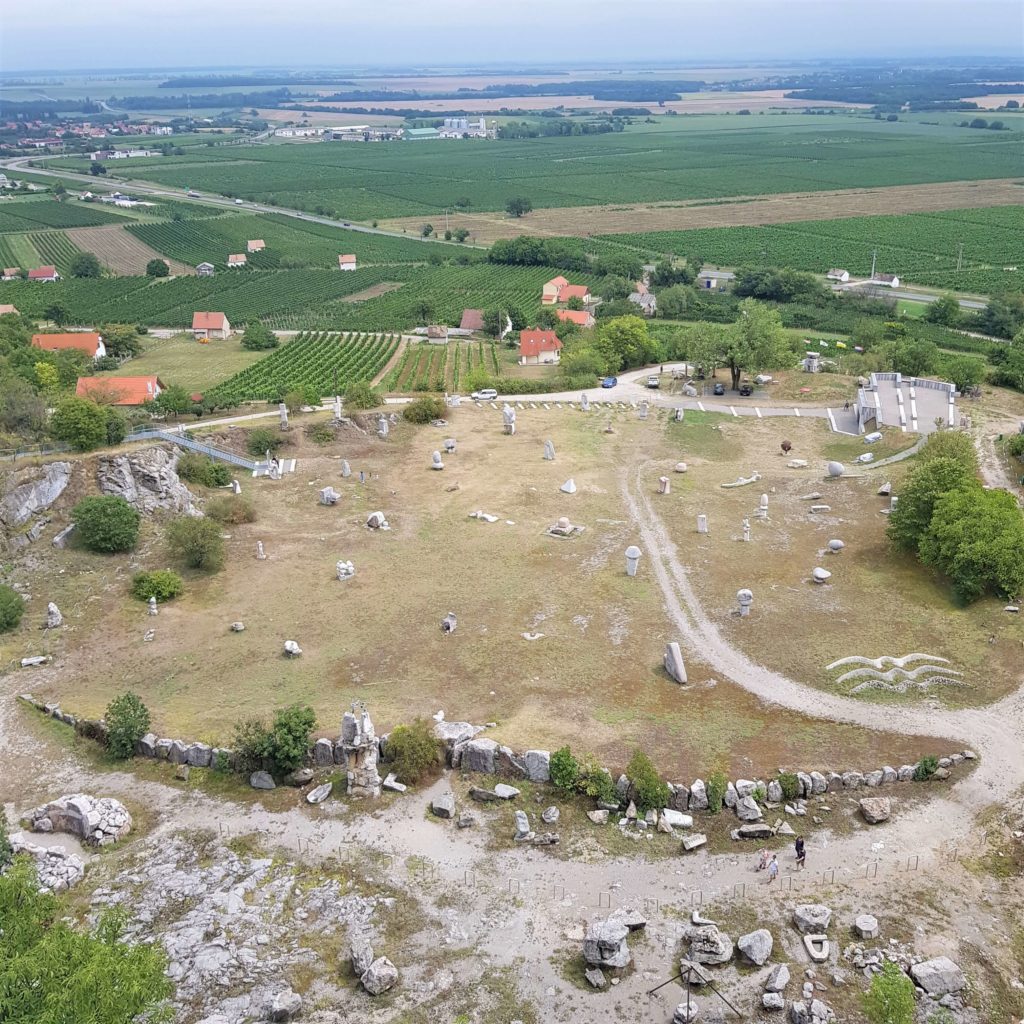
{"x":995,"y":732}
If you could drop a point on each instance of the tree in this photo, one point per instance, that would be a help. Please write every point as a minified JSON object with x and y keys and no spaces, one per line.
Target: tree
{"x":257,"y":336}
{"x":47,"y":377}
{"x":976,"y":538}
{"x":625,"y":342}
{"x":106,"y":523}
{"x":756,"y":342}
{"x":460,"y":234}
{"x":157,"y":268}
{"x":672,"y":302}
{"x":965,"y":372}
{"x":174,"y":399}
{"x":80,"y":423}
{"x":424,"y":310}
{"x":127,"y":721}
{"x":117,"y":425}
{"x":890,"y":998}
{"x":518,"y":206}
{"x":85,"y":264}
{"x":950,"y":445}
{"x":262,"y":440}
{"x":703,"y":344}
{"x":289,"y":736}
{"x":50,"y":971}
{"x":944,"y":310}
{"x":12,"y":607}
{"x":666,"y":274}
{"x":197,"y":542}
{"x":929,"y":481}
{"x":121,"y":340}
{"x":614,"y":287}
{"x":22,"y":410}
{"x":96,"y":168}
{"x":359,"y":395}
{"x":427,"y":230}
{"x":57,"y":313}
{"x":414,"y":752}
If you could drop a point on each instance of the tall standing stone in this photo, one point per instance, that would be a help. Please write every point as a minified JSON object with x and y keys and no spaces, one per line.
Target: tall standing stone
{"x":633,"y":554}
{"x":282,"y":411}
{"x":702,"y":523}
{"x":358,"y":747}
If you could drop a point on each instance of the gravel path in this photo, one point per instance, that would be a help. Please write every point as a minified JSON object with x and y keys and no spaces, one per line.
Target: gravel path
{"x":995,"y":732}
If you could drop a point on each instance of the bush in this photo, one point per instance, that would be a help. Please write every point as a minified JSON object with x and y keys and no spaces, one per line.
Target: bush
{"x":163,"y":584}
{"x":414,"y":752}
{"x":359,"y":395}
{"x":716,"y":786}
{"x":231,"y":510}
{"x":1015,"y":446}
{"x":107,"y":524}
{"x":80,"y":423}
{"x":790,"y":785}
{"x":565,"y":770}
{"x":197,"y":542}
{"x":117,"y":425}
{"x":263,"y":439}
{"x":424,"y":410}
{"x":251,"y":744}
{"x":652,"y":794}
{"x":320,"y":433}
{"x":596,"y":782}
{"x":925,"y":768}
{"x":157,"y":268}
{"x":201,"y":469}
{"x":890,"y":999}
{"x":12,"y":607}
{"x":256,"y":337}
{"x":127,"y":721}
{"x":6,"y":852}
{"x":289,"y":737}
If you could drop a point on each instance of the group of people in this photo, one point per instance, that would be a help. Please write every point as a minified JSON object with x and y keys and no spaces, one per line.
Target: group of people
{"x":770,"y":863}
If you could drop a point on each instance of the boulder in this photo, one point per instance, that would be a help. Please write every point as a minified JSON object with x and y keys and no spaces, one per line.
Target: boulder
{"x":54,"y":619}
{"x":550,"y":815}
{"x":693,"y":973}
{"x":299,"y":777}
{"x":630,"y":917}
{"x":147,"y":479}
{"x":875,"y":809}
{"x":451,"y":734}
{"x":755,"y":830}
{"x":198,"y":755}
{"x":285,"y":1005}
{"x":319,"y":794}
{"x":756,"y":946}
{"x":774,"y":791}
{"x":698,"y":796}
{"x":478,"y":755}
{"x":522,"y":825}
{"x":778,"y":979}
{"x":747,"y":809}
{"x":686,"y":1012}
{"x":811,"y":917}
{"x":938,"y":977}
{"x":362,"y":955}
{"x":905,"y":773}
{"x":708,"y":945}
{"x":392,"y":784}
{"x":889,"y":775}
{"x":443,"y":806}
{"x":380,"y":976}
{"x":773,"y":1001}
{"x":873,"y":779}
{"x":852,"y":780}
{"x":731,"y":796}
{"x":819,"y":784}
{"x":598,"y":817}
{"x":323,"y":753}
{"x":465,"y":820}
{"x":538,"y":765}
{"x":680,"y":797}
{"x":605,"y":944}
{"x":692,"y":842}
{"x":262,"y":780}
{"x":595,"y":976}
{"x":483,"y":796}
{"x":677,"y":819}
{"x":177,"y":752}
{"x":146,"y":747}
{"x":505,"y":792}
{"x":745,"y":787}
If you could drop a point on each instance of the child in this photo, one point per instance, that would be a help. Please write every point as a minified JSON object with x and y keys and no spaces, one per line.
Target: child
{"x":773,"y":869}
{"x":801,"y":853}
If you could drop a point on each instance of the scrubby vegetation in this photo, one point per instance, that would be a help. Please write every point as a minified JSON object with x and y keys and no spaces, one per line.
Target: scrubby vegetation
{"x":12,"y":608}
{"x":163,"y":584}
{"x":413,"y":752}
{"x":201,"y":469}
{"x":106,"y":524}
{"x":127,"y":721}
{"x":197,"y":542}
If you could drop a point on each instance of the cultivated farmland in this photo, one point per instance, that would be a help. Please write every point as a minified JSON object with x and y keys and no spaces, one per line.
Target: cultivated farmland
{"x":317,"y":361}
{"x":119,"y":250}
{"x":39,"y":214}
{"x":429,"y":367}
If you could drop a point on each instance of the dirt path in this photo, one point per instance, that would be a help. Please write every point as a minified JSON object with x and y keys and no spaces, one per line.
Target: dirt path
{"x":994,"y":469}
{"x":392,"y":362}
{"x":121,"y":251}
{"x":995,"y":732}
{"x":733,"y":211}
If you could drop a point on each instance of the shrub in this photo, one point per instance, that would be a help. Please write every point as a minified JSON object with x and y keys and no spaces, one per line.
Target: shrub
{"x":163,"y":584}
{"x":116,"y":425}
{"x":127,"y":721}
{"x":6,"y":852}
{"x":414,"y":752}
{"x":231,"y":510}
{"x":12,"y":607}
{"x":716,"y":786}
{"x":1015,"y":446}
{"x":197,"y":542}
{"x":222,"y":762}
{"x":263,"y":439}
{"x":790,"y":785}
{"x":107,"y":524}
{"x":925,"y":768}
{"x":157,"y":268}
{"x":80,"y":423}
{"x":890,"y":999}
{"x":257,"y":337}
{"x":651,"y":792}
{"x":565,"y":770}
{"x":289,"y":736}
{"x":595,"y":781}
{"x":251,"y":744}
{"x":424,"y":410}
{"x":359,"y":395}
{"x":320,"y":433}
{"x":201,"y":469}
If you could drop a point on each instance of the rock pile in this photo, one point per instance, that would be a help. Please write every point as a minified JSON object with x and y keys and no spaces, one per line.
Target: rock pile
{"x":98,"y":822}
{"x":56,"y":869}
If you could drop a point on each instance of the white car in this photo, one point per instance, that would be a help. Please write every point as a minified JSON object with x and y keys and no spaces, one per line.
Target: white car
{"x":238,"y":202}
{"x":487,"y":395}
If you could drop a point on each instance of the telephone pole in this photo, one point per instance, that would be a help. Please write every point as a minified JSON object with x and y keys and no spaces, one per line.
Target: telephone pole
{"x":874,"y":257}
{"x":959,"y":256}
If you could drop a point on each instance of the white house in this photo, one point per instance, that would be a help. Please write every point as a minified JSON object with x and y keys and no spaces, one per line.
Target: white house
{"x":842,"y":276}
{"x":888,"y":280}
{"x":237,"y":259}
{"x":347,"y":262}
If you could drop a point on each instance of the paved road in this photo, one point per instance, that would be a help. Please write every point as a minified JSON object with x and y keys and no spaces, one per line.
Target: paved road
{"x":903,"y":293}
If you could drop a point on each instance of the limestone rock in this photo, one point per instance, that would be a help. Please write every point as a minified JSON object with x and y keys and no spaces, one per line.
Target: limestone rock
{"x":98,"y":822}
{"x":550,"y":815}
{"x":262,"y":780}
{"x":54,"y":619}
{"x":320,"y":793}
{"x":24,"y":495}
{"x":505,"y":792}
{"x":938,"y":977}
{"x":595,"y":976}
{"x":283,"y":1006}
{"x":817,"y":946}
{"x":444,"y":806}
{"x":708,"y":945}
{"x":522,"y":824}
{"x":676,"y":818}
{"x":698,"y":796}
{"x":756,"y":946}
{"x":362,"y":955}
{"x":299,"y":777}
{"x":875,"y":809}
{"x":694,"y":974}
{"x":380,"y":976}
{"x":323,"y":753}
{"x":773,"y":1001}
{"x":478,"y":755}
{"x":538,"y":765}
{"x":686,"y":1012}
{"x":148,"y":480}
{"x":56,"y":869}
{"x":198,"y":755}
{"x":747,"y":809}
{"x":778,"y":979}
{"x":605,"y":944}
{"x":692,"y":842}
{"x":598,"y":817}
{"x":811,"y":917}
{"x":867,"y":926}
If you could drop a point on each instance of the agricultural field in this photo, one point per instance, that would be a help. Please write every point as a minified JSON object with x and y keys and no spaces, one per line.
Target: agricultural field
{"x":428,"y":367}
{"x":37,"y":215}
{"x":318,"y":361}
{"x":919,"y":247}
{"x":120,"y":251}
{"x":37,"y":248}
{"x":287,"y":239}
{"x":683,"y":158}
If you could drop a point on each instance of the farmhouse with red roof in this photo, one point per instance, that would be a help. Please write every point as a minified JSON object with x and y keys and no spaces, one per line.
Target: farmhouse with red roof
{"x":537,"y":347}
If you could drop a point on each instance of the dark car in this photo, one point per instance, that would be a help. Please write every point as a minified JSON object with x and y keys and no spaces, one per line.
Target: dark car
{"x":746,"y":390}
{"x":609,"y":382}
{"x":719,"y":389}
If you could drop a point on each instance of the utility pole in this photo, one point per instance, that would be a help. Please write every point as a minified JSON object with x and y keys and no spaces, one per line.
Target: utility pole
{"x":874,"y":257}
{"x":959,"y":256}
{"x":446,"y":219}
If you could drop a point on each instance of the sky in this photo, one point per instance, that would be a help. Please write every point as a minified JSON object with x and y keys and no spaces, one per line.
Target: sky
{"x":65,"y":34}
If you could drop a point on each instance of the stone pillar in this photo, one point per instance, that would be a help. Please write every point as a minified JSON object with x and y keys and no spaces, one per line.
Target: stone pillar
{"x":359,"y":752}
{"x":702,"y":523}
{"x":260,"y":553}
{"x":664,"y":486}
{"x":282,"y":411}
{"x":633,"y":554}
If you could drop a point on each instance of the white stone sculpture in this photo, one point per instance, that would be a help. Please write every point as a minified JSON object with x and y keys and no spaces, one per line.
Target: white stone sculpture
{"x":549,"y":451}
{"x":569,"y":487}
{"x":260,"y":553}
{"x":674,"y":664}
{"x":702,"y":523}
{"x":744,"y":599}
{"x":435,"y":461}
{"x":344,"y":570}
{"x":282,"y":411}
{"x":633,"y":554}
{"x":346,"y":469}
{"x":664,"y":485}
{"x":329,"y":496}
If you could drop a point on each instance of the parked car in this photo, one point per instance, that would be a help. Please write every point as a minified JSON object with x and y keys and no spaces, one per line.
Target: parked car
{"x":746,"y":390}
{"x":238,"y":202}
{"x":609,"y":382}
{"x":654,"y":381}
{"x":719,"y":388}
{"x":487,"y":395}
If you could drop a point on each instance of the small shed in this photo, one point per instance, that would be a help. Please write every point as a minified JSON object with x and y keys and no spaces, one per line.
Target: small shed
{"x":205,"y":270}
{"x":237,"y":259}
{"x":437,"y":334}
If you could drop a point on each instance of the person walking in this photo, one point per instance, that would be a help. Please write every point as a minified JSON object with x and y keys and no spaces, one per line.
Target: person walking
{"x":801,"y":853}
{"x":762,"y":862}
{"x":773,"y":869}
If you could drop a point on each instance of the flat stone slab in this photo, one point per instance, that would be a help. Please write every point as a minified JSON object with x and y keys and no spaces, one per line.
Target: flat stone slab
{"x":692,"y":842}
{"x":817,"y":947}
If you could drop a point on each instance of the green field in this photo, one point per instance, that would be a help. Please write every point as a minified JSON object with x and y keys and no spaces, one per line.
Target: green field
{"x":317,"y":245}
{"x":426,"y":366}
{"x":320,"y":361}
{"x":39,"y":214}
{"x":919,"y":247}
{"x":678,"y":158}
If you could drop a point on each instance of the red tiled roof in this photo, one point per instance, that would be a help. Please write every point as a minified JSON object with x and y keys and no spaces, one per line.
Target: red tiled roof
{"x":573,"y":291}
{"x":118,"y":390}
{"x":557,"y":282}
{"x":472,"y":320}
{"x":347,"y":258}
{"x":85,"y":341}
{"x":533,"y":342}
{"x":236,"y":257}
{"x":6,"y":308}
{"x":209,"y":322}
{"x":577,"y":316}
{"x":42,"y":272}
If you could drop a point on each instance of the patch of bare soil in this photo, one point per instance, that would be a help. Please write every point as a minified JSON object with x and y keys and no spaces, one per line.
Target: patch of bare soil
{"x":734,"y":211}
{"x":121,"y":251}
{"x":373,"y":291}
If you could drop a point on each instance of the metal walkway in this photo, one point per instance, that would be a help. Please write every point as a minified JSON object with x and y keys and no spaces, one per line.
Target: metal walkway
{"x":184,"y":441}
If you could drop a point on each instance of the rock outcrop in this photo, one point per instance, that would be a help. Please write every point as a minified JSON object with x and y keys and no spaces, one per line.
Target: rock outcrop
{"x":56,"y":869}
{"x":148,"y":480}
{"x":99,"y":822}
{"x":25,"y":495}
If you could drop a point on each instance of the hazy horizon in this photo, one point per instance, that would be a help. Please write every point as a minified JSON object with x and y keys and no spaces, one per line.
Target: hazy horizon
{"x":66,"y":36}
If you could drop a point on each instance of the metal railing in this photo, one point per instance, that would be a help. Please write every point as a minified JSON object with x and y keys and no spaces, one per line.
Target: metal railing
{"x":184,"y":441}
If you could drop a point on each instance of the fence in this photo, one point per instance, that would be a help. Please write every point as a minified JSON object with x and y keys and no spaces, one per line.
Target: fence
{"x":197,"y":446}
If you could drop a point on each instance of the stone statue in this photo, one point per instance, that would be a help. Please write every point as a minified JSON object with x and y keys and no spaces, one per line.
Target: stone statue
{"x":549,"y":451}
{"x":329,"y":496}
{"x":673,"y":661}
{"x":664,"y":485}
{"x":633,"y":554}
{"x":702,"y":523}
{"x":508,"y":417}
{"x":346,"y":469}
{"x":344,"y":570}
{"x":383,"y":428}
{"x":584,"y":402}
{"x":746,"y":530}
{"x":745,"y":599}
{"x":152,"y":606}
{"x":282,"y":411}
{"x":358,"y":746}
{"x":260,"y":553}
{"x":435,"y":461}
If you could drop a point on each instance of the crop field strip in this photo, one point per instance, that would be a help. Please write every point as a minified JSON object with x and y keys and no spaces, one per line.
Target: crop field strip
{"x":793,"y":155}
{"x":920,"y":247}
{"x":31,"y":215}
{"x":320,"y":361}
